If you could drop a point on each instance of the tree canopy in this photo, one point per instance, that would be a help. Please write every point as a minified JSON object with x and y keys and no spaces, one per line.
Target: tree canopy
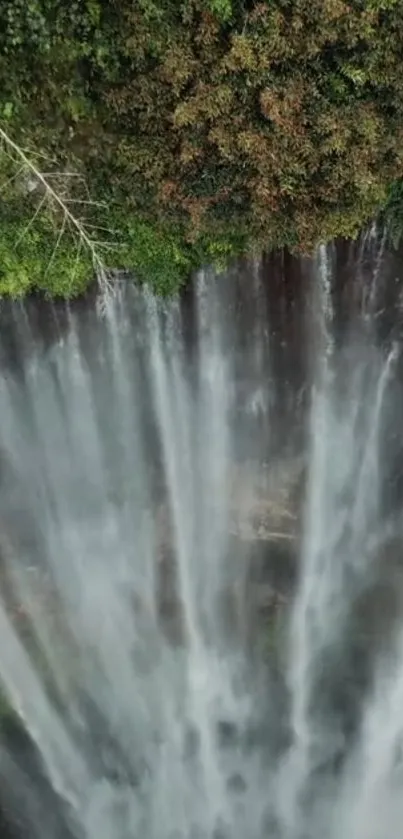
{"x":210,"y":127}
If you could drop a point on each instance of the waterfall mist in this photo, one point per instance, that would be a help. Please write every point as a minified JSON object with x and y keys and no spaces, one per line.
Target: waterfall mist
{"x":200,"y":557}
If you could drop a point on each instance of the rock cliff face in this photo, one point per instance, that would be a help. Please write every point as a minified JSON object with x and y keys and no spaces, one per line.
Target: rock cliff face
{"x":264,"y":510}
{"x":29,"y":807}
{"x":265,"y":501}
{"x":262,"y":546}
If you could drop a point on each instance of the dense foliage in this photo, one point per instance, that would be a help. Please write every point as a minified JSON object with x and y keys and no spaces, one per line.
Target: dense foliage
{"x":207,"y":127}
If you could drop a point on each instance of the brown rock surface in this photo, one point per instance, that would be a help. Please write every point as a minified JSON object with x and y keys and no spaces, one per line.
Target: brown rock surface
{"x":265,"y":501}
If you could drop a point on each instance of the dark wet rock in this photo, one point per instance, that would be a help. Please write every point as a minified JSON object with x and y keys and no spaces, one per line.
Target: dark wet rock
{"x":191,"y":744}
{"x":227,"y":734}
{"x":29,"y":806}
{"x":236,"y":783}
{"x":221,"y":830}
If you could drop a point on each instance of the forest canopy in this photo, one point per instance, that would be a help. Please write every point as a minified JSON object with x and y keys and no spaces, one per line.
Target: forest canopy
{"x":201,"y":129}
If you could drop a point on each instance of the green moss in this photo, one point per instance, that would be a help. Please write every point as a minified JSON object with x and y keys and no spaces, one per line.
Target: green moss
{"x":30,"y":260}
{"x":273,"y":634}
{"x":392,"y":213}
{"x":8,"y":716}
{"x":34,"y":260}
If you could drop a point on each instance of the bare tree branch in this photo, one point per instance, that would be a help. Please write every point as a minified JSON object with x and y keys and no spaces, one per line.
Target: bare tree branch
{"x":60,"y":199}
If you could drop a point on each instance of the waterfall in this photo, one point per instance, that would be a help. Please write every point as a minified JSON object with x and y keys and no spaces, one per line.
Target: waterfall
{"x":201,"y":590}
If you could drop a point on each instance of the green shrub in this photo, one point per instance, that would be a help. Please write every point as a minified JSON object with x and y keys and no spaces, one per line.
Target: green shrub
{"x":222,"y":9}
{"x":154,"y":257}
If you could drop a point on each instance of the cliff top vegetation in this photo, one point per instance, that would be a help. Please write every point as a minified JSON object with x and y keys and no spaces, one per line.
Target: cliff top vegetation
{"x":191,"y":131}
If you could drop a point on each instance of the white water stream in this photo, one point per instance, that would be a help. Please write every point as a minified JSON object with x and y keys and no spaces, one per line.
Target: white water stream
{"x":132,"y":448}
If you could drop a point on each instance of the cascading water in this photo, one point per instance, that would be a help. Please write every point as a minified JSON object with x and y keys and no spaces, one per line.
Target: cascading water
{"x":163,"y":467}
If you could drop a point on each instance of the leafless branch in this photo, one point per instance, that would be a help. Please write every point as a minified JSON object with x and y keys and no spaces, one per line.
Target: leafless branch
{"x":65,"y":205}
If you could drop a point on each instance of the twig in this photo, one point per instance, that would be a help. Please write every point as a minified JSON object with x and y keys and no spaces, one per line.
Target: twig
{"x":63,"y":175}
{"x":62,"y":229}
{"x":268,"y":535}
{"x":100,"y":227}
{"x":83,"y":201}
